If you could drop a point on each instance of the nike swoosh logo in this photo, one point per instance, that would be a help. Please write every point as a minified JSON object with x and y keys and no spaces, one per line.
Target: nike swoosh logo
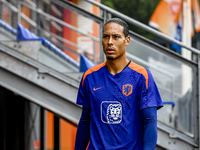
{"x":94,"y":89}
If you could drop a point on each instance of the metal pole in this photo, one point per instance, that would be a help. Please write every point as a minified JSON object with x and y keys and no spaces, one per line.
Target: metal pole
{"x":102,"y":56}
{"x":1,"y":10}
{"x":172,"y":89}
{"x":198,"y":105}
{"x":60,"y":21}
{"x":15,"y":16}
{"x":95,"y":55}
{"x":105,"y":17}
{"x":19,"y":12}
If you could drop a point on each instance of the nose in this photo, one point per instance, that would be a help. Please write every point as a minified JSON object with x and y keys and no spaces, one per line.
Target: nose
{"x":110,"y":41}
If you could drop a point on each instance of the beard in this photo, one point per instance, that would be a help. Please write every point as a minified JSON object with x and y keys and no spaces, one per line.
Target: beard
{"x":110,"y":58}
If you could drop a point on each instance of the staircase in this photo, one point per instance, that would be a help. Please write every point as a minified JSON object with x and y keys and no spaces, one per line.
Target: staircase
{"x":44,"y":78}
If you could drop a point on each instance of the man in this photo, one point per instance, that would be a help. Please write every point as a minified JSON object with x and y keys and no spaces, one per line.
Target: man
{"x":119,"y":98}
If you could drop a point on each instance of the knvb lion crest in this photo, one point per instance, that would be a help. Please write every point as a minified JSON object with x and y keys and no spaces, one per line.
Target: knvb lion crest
{"x":127,"y":89}
{"x":111,"y":112}
{"x":114,"y":113}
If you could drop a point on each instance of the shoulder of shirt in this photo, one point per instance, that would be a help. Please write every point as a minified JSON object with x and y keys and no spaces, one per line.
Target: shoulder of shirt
{"x":140,"y":70}
{"x":91,"y":70}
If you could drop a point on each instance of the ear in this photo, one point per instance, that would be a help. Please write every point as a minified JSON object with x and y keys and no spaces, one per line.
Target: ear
{"x":127,"y":40}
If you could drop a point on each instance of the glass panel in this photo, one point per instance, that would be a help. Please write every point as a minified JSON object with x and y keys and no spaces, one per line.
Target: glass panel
{"x":174,"y":80}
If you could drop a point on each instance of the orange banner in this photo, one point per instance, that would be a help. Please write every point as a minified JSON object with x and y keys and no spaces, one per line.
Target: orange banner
{"x":166,"y":16}
{"x":196,"y":15}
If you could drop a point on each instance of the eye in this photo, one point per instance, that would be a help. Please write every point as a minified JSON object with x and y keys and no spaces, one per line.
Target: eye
{"x":116,"y":37}
{"x":105,"y":36}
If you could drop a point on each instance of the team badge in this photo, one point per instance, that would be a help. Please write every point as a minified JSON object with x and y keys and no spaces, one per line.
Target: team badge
{"x":111,"y":112}
{"x":127,"y":89}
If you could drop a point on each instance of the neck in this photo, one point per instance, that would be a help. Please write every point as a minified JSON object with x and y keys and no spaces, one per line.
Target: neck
{"x":116,"y":66}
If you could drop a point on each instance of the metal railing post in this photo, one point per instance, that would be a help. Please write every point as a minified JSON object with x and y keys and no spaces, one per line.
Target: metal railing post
{"x":172,"y":89}
{"x":19,"y":12}
{"x":1,"y":10}
{"x":102,"y":56}
{"x":197,"y":132}
{"x":95,"y":52}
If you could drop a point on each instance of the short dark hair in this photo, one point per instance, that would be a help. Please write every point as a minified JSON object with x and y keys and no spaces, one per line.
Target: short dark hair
{"x":120,"y":22}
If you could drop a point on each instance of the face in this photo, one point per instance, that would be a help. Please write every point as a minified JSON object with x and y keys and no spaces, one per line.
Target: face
{"x":114,"y":41}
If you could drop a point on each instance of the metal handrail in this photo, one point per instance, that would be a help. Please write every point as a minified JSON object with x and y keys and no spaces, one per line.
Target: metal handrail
{"x":143,"y":26}
{"x":59,"y":21}
{"x":73,"y":7}
{"x":10,"y":6}
{"x":32,"y":23}
{"x":39,"y":11}
{"x":63,"y":40}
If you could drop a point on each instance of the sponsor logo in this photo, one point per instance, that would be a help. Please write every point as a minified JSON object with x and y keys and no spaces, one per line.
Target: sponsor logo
{"x":94,"y":89}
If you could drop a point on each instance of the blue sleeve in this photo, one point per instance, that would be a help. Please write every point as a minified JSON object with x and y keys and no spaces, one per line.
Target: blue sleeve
{"x":83,"y":130}
{"x":150,"y":96}
{"x":149,"y":116}
{"x":82,"y":98}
